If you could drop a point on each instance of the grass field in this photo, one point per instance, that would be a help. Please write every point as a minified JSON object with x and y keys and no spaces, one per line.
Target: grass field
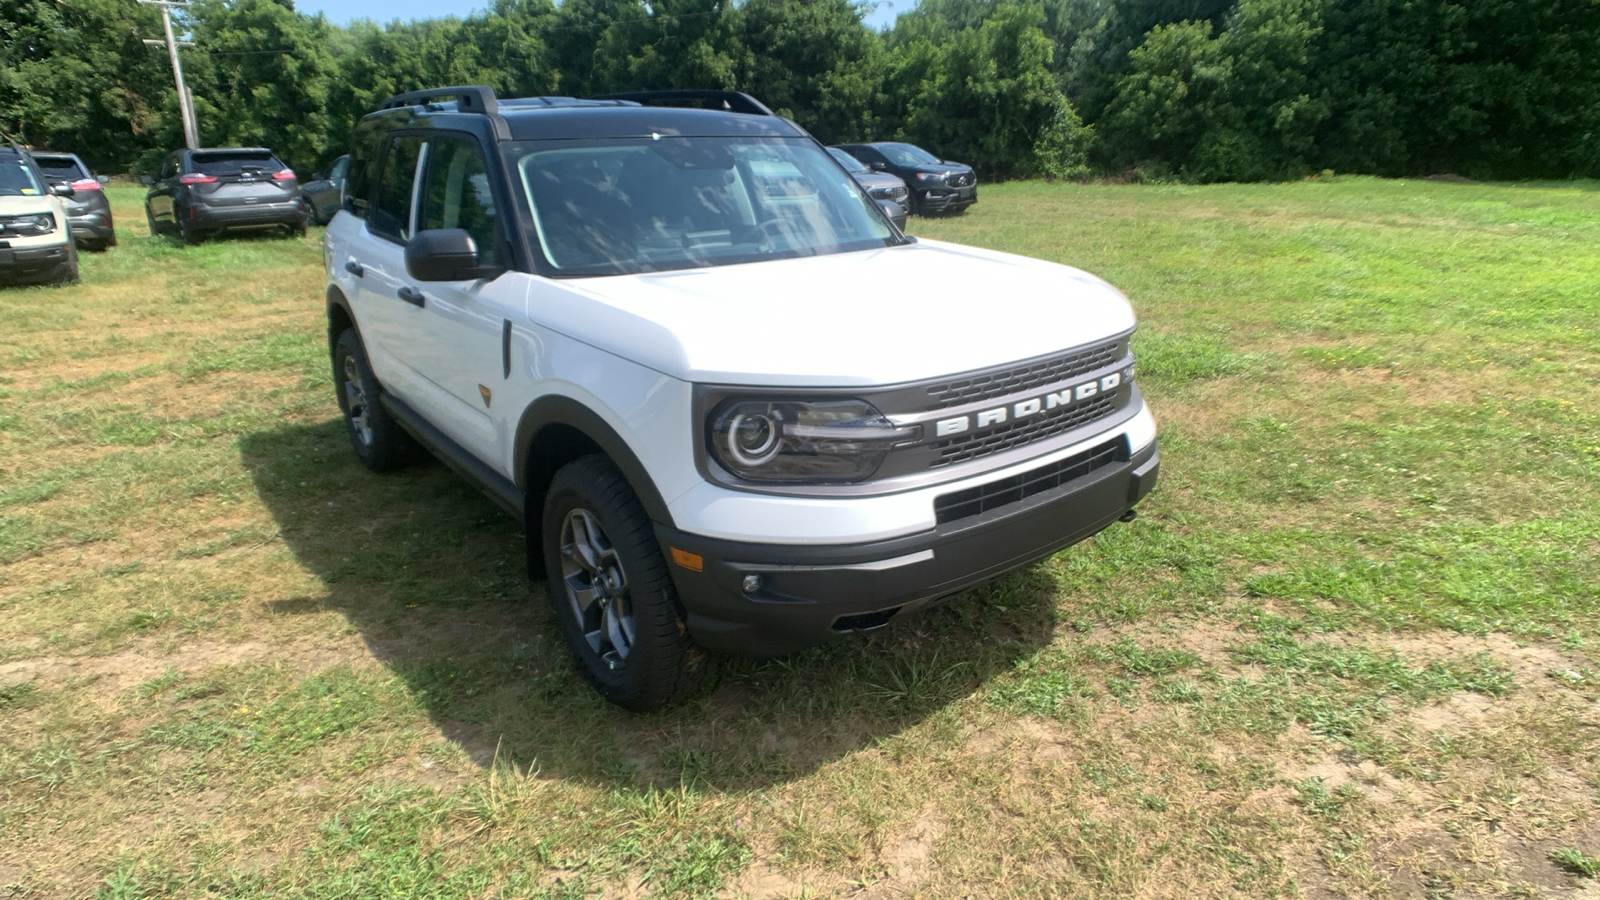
{"x":1349,"y":648}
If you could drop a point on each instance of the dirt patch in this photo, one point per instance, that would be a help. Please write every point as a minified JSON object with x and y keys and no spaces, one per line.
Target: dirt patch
{"x":1459,"y":711}
{"x":121,"y":671}
{"x":906,"y":857}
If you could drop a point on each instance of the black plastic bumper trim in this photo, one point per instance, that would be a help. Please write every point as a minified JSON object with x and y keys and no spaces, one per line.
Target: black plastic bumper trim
{"x":810,"y":593}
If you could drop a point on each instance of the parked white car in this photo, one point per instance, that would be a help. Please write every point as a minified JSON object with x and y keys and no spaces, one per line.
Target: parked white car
{"x":735,"y":408}
{"x":35,"y":240}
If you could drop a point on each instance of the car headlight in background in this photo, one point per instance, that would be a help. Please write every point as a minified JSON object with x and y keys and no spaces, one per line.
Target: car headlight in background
{"x":42,"y":223}
{"x":927,"y":177}
{"x":800,"y":441}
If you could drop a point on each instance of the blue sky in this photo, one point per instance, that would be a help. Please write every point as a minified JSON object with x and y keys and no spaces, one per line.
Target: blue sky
{"x":343,"y":11}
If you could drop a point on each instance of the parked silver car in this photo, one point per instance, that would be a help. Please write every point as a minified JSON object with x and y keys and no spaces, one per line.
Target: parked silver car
{"x":880,"y":185}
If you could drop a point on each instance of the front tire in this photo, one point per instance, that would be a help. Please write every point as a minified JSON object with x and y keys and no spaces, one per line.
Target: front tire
{"x":609,"y":584}
{"x":378,"y":440}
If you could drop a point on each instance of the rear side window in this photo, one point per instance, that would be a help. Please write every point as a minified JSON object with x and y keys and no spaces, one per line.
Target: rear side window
{"x":58,"y":169}
{"x":390,"y":215}
{"x":234,"y":163}
{"x":456,"y":193}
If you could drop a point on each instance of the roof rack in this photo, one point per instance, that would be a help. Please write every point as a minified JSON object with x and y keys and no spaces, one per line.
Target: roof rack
{"x":731,"y":101}
{"x":469,"y":98}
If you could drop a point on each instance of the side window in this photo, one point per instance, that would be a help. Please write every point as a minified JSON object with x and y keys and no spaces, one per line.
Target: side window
{"x":339,"y":168}
{"x":456,"y":194}
{"x":869,"y":156}
{"x":390,"y":215}
{"x":365,"y":145}
{"x":169,"y":167}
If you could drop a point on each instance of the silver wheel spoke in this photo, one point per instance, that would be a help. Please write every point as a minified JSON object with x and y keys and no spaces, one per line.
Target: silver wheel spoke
{"x":596,"y":587}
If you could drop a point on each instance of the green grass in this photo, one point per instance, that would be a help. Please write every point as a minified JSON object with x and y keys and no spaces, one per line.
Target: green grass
{"x":1361,"y":603}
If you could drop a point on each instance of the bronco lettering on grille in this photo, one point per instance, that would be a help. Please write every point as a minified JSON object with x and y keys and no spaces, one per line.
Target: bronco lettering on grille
{"x":1025,"y":408}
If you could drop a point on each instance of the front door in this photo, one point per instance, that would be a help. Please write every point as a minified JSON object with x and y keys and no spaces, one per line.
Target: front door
{"x":461,"y":350}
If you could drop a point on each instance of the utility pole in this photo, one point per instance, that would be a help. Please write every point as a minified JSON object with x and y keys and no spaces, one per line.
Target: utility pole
{"x":191,"y":134}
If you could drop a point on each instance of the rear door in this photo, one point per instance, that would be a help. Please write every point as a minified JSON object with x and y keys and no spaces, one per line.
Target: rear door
{"x":388,"y":319}
{"x":232,"y":178}
{"x":159,"y":201}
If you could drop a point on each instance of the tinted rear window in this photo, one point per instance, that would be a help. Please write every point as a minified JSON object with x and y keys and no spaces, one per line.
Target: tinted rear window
{"x":60,"y":169}
{"x":233,"y":163}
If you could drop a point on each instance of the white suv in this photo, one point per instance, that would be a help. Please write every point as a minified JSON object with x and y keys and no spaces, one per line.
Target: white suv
{"x":35,"y":238}
{"x":734,"y":407}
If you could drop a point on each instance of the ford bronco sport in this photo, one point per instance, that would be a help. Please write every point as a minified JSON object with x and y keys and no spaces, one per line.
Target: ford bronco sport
{"x":667,"y":339}
{"x":35,"y":236}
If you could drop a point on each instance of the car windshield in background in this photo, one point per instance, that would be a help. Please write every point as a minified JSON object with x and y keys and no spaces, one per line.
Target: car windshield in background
{"x":234,"y":163}
{"x":16,"y":179}
{"x":610,"y":207}
{"x":850,"y":163}
{"x":59,"y":169}
{"x":908,"y":155}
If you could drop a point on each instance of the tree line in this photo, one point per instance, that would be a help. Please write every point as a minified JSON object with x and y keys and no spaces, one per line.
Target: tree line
{"x":1201,"y":90}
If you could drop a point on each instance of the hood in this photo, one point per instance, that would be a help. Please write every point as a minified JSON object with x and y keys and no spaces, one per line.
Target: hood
{"x":26,"y":205}
{"x":943,"y":168}
{"x":874,"y":317}
{"x":877,"y":180}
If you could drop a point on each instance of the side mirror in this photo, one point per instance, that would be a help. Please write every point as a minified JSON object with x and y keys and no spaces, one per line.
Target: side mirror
{"x":62,"y":190}
{"x":894,"y":212}
{"x":316,"y":176}
{"x":877,"y":166}
{"x":103,"y":179}
{"x":146,"y":180}
{"x":446,"y":254}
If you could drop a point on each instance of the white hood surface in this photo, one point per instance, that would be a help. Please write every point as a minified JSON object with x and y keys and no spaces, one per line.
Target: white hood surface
{"x":873,"y":317}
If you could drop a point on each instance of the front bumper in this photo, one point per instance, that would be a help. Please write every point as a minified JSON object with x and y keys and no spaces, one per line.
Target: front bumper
{"x":935,"y":200}
{"x":25,"y":264}
{"x":252,"y":215}
{"x":811,"y":593}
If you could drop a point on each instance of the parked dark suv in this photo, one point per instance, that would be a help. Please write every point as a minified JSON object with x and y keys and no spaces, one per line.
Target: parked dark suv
{"x":323,"y":194}
{"x":88,"y":211}
{"x":198,"y":192}
{"x":937,"y":185}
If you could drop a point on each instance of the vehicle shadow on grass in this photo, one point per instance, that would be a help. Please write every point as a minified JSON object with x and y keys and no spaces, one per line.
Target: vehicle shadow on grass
{"x":432,"y":576}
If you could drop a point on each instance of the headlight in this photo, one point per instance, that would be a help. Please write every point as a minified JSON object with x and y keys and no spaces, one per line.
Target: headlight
{"x":930,"y":176}
{"x":37,"y":224}
{"x":791,"y":440}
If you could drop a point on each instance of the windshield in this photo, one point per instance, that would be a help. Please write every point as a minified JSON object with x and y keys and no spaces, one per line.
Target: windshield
{"x":607,"y":207}
{"x":234,"y":162}
{"x":59,"y":168}
{"x":16,"y":179}
{"x":908,"y":155}
{"x":850,"y":163}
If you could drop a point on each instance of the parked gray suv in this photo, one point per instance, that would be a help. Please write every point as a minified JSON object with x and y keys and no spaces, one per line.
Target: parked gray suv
{"x":199,"y":192}
{"x":88,"y":211}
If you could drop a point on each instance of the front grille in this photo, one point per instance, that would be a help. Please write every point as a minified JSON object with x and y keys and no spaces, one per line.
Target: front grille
{"x":1023,"y":378}
{"x":889,"y":193}
{"x":961,"y":180}
{"x":995,"y":494}
{"x":1023,"y":431}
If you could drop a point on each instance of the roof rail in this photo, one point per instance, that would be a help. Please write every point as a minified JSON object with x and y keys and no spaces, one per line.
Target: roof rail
{"x":732,"y":101}
{"x":469,"y":98}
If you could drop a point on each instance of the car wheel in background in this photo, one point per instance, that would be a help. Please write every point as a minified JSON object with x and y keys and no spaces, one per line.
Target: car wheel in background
{"x":67,"y":273}
{"x":376,"y":437}
{"x":190,"y":235}
{"x":611,"y":590}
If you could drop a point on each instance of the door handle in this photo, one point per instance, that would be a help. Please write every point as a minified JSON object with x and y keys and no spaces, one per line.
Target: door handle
{"x":412,"y":296}
{"x":355,"y":268}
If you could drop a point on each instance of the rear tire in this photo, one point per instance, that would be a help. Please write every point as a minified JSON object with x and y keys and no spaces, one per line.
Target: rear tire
{"x":189,"y":234}
{"x":610,"y":587}
{"x":378,"y":440}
